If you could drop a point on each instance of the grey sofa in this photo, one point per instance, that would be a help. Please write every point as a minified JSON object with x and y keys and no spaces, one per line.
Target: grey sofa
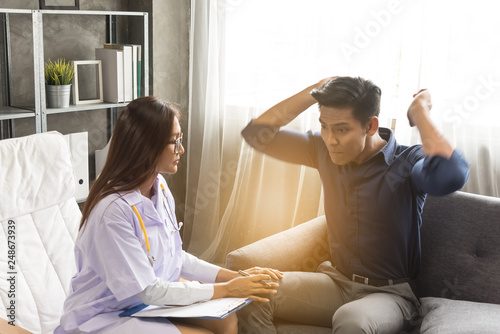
{"x":459,"y":282}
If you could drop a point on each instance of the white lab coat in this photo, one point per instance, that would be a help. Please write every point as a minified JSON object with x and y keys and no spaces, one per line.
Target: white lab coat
{"x":113,"y":265}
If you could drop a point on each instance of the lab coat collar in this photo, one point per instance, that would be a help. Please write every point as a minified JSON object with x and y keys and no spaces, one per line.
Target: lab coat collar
{"x":134,"y":197}
{"x":143,"y":204}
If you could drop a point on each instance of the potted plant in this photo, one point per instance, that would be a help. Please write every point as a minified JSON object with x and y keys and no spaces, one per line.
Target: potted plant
{"x":58,"y":76}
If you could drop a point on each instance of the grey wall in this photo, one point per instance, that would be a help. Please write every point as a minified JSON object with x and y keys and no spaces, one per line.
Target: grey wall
{"x":171,"y":73}
{"x":75,"y":38}
{"x":169,"y":34}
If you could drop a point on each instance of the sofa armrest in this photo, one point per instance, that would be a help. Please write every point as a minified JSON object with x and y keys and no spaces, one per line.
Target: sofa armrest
{"x":301,"y":248}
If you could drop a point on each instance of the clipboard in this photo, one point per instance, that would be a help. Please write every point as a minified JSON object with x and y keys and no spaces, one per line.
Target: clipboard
{"x":211,"y":309}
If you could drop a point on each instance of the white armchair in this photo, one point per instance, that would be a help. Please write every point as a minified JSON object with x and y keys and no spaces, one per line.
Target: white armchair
{"x":39,"y":220}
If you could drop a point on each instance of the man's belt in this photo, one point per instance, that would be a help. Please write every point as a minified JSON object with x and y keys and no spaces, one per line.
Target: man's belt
{"x":374,"y":281}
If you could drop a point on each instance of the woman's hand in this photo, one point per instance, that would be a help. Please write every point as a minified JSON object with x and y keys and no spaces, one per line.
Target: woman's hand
{"x":274,"y":273}
{"x":250,"y":287}
{"x":236,"y":285}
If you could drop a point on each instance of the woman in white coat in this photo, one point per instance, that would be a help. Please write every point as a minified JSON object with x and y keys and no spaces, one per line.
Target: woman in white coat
{"x":128,"y":249}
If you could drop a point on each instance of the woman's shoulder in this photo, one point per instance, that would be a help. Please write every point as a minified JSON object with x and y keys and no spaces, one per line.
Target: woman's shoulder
{"x":115,"y":205}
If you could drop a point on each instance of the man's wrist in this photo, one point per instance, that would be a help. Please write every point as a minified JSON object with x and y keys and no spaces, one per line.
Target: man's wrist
{"x":418,"y":115}
{"x":309,"y":100}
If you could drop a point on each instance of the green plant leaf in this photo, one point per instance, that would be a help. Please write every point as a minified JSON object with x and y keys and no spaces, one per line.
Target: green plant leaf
{"x":59,"y":72}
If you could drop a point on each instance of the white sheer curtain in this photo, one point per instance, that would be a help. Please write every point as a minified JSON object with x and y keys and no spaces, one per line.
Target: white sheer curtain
{"x":461,"y":65}
{"x":249,"y":55}
{"x":234,"y":195}
{"x":206,"y":116}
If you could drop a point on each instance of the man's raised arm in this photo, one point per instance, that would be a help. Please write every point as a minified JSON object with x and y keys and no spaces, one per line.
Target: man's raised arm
{"x":287,"y":110}
{"x":433,"y":142}
{"x":444,"y":170}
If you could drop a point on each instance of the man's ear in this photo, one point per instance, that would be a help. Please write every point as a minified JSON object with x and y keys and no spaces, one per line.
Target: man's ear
{"x":372,"y":126}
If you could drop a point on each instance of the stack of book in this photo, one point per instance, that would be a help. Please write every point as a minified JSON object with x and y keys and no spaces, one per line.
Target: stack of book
{"x":121,"y":71}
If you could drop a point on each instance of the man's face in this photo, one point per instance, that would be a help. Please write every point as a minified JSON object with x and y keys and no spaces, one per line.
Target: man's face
{"x":343,"y":134}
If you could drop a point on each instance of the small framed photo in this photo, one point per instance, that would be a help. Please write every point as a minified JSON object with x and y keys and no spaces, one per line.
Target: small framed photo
{"x":87,"y":82}
{"x":59,"y":4}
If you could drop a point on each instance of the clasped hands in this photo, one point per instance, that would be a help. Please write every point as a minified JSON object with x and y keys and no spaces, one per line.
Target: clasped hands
{"x":252,"y":286}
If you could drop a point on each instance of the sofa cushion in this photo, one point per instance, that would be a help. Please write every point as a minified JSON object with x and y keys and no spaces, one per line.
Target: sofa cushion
{"x":460,"y":256}
{"x":282,"y":251}
{"x":443,"y":316}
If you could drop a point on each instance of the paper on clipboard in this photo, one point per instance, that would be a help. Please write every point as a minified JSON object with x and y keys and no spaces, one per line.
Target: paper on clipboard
{"x":214,"y":309}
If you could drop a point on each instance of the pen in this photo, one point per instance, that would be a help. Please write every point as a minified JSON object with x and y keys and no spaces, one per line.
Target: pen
{"x":243,"y":273}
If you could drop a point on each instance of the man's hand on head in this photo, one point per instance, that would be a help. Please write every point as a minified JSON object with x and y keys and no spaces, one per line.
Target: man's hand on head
{"x":421,"y":103}
{"x":324,"y":81}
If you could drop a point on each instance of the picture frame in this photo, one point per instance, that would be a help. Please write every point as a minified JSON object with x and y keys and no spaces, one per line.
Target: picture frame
{"x":76,"y":89}
{"x":60,"y":4}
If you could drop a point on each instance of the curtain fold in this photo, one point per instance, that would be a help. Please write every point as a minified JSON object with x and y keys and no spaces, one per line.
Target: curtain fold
{"x":204,"y":125}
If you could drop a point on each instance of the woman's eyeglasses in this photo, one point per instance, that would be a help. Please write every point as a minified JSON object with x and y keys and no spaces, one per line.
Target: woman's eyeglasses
{"x":178,"y":143}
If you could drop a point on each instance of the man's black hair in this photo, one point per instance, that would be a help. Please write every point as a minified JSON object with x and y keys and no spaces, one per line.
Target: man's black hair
{"x":363,"y":96}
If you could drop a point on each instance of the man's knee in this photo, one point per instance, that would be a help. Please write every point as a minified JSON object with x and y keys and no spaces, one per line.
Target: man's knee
{"x":355,"y":318}
{"x":249,"y":324}
{"x":255,"y":318}
{"x":347,"y":320}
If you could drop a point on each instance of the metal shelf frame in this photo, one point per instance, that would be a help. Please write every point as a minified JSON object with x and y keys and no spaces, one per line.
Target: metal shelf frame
{"x":8,"y":112}
{"x":41,"y":111}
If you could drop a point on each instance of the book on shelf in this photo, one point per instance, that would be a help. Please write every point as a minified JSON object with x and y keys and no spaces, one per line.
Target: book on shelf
{"x":132,"y":68}
{"x":139,"y":71}
{"x":112,"y":74}
{"x":134,"y":71}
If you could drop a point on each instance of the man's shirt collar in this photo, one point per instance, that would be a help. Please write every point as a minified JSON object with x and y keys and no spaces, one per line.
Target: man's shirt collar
{"x":389,"y":150}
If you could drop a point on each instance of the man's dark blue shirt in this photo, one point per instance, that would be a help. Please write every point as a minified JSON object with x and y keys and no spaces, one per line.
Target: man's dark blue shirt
{"x":373,"y":210}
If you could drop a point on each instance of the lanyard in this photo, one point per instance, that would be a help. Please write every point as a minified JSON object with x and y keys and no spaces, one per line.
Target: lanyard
{"x":150,"y":257}
{"x":177,"y":227}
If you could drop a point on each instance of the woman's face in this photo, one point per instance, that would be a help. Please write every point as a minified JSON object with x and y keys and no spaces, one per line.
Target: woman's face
{"x":169,"y":160}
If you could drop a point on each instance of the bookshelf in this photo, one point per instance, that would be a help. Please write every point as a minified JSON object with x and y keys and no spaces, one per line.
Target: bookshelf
{"x":9,"y":112}
{"x":38,"y":109}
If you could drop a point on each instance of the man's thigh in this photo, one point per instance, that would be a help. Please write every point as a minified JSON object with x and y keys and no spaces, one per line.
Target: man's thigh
{"x":303,"y":297}
{"x":307,"y":298}
{"x":381,"y":313}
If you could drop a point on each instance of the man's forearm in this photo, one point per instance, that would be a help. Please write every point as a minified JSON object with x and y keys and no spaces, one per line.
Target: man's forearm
{"x":433,"y":141}
{"x":287,"y":110}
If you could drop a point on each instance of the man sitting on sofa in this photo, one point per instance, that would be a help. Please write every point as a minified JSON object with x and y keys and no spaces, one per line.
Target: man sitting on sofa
{"x":374,"y":193}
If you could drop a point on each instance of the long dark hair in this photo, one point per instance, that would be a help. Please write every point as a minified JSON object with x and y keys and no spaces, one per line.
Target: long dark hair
{"x":142,"y":132}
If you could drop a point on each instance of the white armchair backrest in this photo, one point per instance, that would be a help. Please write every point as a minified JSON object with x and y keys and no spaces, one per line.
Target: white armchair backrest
{"x":39,"y":220}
